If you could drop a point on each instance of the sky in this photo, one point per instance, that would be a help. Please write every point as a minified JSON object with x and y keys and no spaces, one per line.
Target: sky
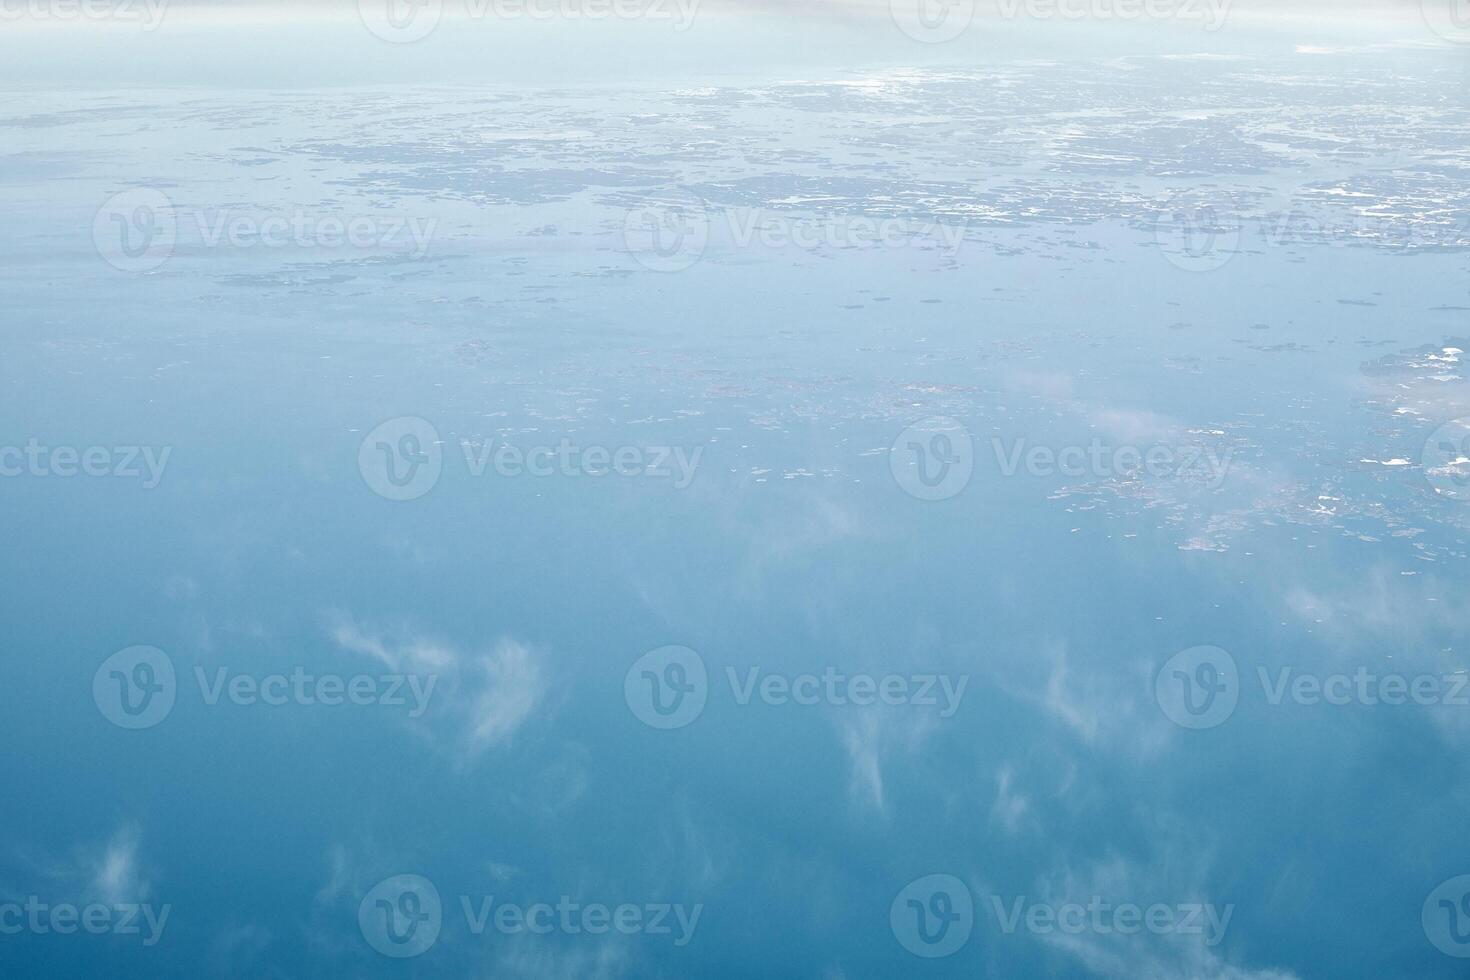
{"x":324,"y":43}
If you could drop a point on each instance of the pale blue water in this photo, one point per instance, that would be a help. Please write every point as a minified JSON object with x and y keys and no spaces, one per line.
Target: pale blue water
{"x":1049,"y":280}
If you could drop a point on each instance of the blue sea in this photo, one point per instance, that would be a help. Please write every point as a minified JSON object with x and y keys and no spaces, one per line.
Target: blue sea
{"x":620,"y":488}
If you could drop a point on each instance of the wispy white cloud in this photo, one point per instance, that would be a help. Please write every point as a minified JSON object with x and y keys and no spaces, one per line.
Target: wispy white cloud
{"x":874,"y":738}
{"x":480,"y":701}
{"x":1011,"y":806}
{"x":1177,"y":876}
{"x":513,"y":688}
